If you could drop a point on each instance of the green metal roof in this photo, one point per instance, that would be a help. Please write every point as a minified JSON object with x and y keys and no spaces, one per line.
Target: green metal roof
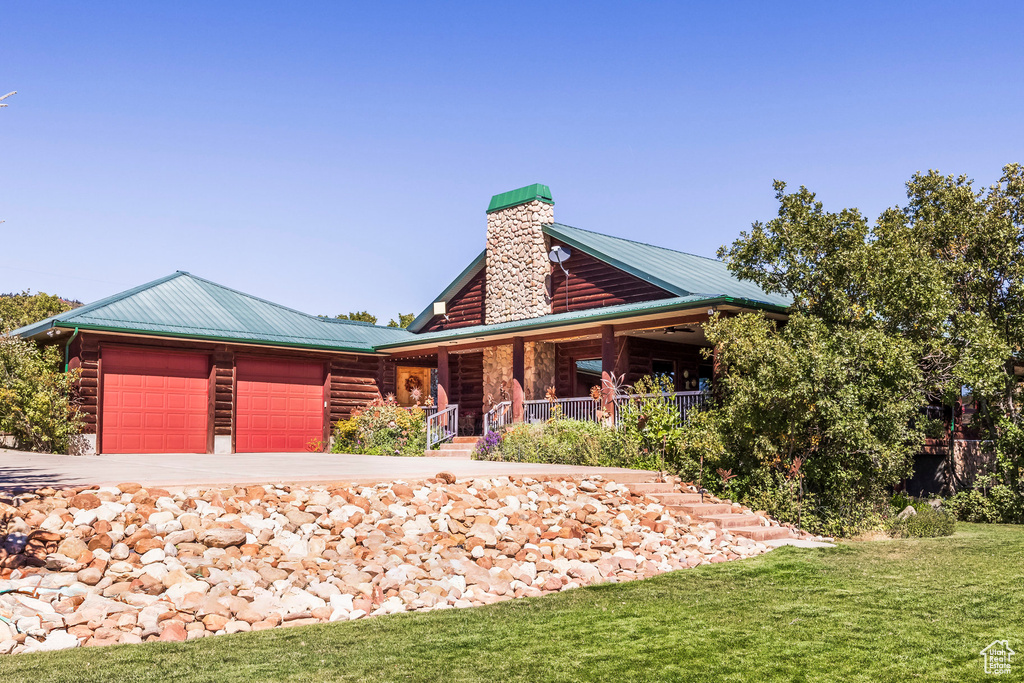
{"x":521,"y":196}
{"x":677,"y":272}
{"x":183,"y":305}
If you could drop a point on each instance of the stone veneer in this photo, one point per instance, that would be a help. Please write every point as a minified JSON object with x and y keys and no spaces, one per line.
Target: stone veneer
{"x":517,"y":263}
{"x":539,"y":370}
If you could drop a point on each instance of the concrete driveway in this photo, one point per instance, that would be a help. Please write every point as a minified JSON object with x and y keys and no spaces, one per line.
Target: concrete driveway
{"x":21,"y":470}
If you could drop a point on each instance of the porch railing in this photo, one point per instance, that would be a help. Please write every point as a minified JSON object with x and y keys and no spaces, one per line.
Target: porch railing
{"x":442,"y":425}
{"x":586,"y":408}
{"x":684,"y":401}
{"x":497,"y":417}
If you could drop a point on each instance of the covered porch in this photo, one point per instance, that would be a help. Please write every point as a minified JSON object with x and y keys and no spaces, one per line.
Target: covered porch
{"x":501,"y":379}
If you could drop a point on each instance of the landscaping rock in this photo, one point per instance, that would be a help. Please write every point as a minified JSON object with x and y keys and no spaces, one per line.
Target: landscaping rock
{"x":151,"y":565}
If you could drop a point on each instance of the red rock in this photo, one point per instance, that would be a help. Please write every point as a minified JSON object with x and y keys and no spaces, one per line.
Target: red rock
{"x":85,"y":501}
{"x":173,"y":632}
{"x":215,"y":622}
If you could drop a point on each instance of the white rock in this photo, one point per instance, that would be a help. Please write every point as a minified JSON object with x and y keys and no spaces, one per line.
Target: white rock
{"x":158,"y":518}
{"x":154,"y":555}
{"x":58,"y":640}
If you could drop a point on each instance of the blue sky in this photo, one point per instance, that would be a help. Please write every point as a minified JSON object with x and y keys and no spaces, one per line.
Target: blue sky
{"x":340,"y":156}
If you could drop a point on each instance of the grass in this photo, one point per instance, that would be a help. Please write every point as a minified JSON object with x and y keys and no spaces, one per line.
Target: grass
{"x":899,"y":610}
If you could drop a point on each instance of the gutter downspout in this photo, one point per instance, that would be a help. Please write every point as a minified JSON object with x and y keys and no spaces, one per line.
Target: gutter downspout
{"x":67,"y":350}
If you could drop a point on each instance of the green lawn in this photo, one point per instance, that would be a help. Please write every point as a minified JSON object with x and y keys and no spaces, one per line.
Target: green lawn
{"x":867,"y":611}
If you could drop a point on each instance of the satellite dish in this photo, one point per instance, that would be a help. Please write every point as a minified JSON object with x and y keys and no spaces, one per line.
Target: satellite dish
{"x":559,"y":254}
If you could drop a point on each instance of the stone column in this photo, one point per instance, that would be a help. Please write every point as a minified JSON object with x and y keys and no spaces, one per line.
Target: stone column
{"x":518,"y":379}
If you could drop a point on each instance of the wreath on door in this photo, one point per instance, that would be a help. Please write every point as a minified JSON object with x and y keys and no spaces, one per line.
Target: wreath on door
{"x":413,"y":383}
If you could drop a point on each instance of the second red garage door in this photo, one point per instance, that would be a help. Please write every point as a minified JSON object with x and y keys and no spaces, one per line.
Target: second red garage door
{"x":154,"y":401}
{"x":280,"y":405}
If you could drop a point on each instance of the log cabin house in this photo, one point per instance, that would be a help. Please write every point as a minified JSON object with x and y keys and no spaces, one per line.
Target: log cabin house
{"x":184,"y":365}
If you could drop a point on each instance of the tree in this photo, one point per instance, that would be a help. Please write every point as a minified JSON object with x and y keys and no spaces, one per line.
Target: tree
{"x":404,"y":320}
{"x":815,"y":422}
{"x":937,"y":282}
{"x":18,"y":310}
{"x":362,"y":316}
{"x":38,"y":406}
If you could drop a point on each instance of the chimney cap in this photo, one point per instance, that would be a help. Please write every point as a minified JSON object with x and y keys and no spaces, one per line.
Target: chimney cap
{"x":523,"y":195}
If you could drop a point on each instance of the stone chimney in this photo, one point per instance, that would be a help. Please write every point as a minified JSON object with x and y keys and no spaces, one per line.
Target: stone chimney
{"x":518,"y":269}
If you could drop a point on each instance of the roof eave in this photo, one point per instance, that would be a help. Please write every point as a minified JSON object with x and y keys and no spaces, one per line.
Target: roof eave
{"x":207,"y":337}
{"x":463,"y":333}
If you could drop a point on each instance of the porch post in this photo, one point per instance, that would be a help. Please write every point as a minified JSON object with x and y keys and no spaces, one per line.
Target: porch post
{"x":607,"y":368}
{"x":716,"y":373}
{"x":518,"y":379}
{"x":442,"y":377}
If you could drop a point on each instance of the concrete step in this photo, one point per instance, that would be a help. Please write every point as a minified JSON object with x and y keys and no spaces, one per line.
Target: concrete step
{"x":651,"y":487}
{"x":460,"y":455}
{"x":761,"y":533}
{"x":676,"y":498}
{"x":703,"y":510}
{"x":466,"y":439}
{"x":731,"y":521}
{"x":453,"y":450}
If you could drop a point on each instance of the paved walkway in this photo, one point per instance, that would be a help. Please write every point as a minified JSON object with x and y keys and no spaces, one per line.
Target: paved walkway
{"x":30,"y":470}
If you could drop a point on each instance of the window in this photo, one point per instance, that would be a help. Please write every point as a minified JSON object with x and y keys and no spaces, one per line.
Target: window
{"x":664,"y":368}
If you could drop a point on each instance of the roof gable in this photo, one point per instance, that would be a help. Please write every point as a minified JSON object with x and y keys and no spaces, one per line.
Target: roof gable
{"x":677,"y":272}
{"x":463,"y":279}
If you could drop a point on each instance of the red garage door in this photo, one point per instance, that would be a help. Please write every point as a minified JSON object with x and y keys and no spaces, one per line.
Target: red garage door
{"x":280,"y":405}
{"x":154,"y":401}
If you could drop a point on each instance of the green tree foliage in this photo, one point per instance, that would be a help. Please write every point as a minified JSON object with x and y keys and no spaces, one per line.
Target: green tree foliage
{"x":361,"y":316}
{"x":404,"y":320}
{"x":37,"y":402}
{"x":18,"y":310}
{"x":815,"y":422}
{"x":934,"y":286}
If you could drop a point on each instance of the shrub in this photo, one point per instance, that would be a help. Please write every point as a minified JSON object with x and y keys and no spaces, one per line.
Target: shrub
{"x":696,"y":448}
{"x":650,"y":416}
{"x":561,"y":442}
{"x":382,"y":428}
{"x":38,"y":405}
{"x":928,"y":522}
{"x":996,"y":504}
{"x":567,"y":442}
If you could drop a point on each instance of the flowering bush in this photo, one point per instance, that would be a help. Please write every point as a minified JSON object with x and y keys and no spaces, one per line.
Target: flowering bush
{"x":487,"y":447}
{"x":382,"y":428}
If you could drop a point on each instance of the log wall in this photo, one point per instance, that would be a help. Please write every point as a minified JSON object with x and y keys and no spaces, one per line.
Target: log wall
{"x":643,"y":352}
{"x":465,"y":309}
{"x":353,"y":384}
{"x":593,"y":283}
{"x":467,"y":389}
